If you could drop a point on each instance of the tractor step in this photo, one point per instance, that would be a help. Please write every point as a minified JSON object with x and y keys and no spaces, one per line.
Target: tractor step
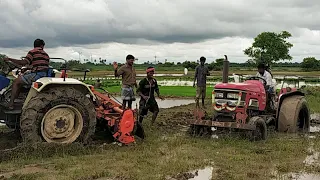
{"x":12,"y":112}
{"x":222,"y":124}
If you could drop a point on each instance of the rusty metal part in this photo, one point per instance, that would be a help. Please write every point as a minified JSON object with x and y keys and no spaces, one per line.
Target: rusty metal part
{"x":62,"y":124}
{"x":222,"y":124}
{"x":225,"y":70}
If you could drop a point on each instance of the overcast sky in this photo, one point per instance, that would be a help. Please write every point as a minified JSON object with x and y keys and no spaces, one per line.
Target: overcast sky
{"x":175,"y":30}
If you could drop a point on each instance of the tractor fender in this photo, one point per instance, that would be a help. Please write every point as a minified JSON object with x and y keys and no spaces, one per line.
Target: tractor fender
{"x":284,"y":96}
{"x":45,"y":83}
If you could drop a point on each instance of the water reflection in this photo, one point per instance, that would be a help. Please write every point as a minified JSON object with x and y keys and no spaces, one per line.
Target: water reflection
{"x":167,"y":103}
{"x":200,"y":174}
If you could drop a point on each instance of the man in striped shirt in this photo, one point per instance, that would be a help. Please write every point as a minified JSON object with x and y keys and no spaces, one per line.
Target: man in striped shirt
{"x":38,"y":59}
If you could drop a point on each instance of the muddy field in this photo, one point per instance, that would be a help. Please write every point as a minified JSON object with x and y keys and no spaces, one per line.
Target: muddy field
{"x":167,"y":153}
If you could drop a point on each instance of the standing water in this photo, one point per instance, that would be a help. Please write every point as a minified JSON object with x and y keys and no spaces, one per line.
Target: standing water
{"x":166,"y":103}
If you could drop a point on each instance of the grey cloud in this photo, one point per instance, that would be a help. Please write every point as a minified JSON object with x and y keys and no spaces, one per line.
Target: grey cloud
{"x":67,"y":23}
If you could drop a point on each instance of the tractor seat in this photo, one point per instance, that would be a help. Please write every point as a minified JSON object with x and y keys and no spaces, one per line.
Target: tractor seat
{"x":50,"y":73}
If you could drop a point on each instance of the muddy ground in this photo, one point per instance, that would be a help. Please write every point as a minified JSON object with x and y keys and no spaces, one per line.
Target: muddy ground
{"x":167,"y":153}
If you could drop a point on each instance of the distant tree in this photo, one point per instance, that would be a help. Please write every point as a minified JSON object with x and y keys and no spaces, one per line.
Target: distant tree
{"x":217,"y":65}
{"x":3,"y":56}
{"x":189,"y":65}
{"x":310,"y":63}
{"x":178,"y":63}
{"x":219,"y":62}
{"x":270,"y":47}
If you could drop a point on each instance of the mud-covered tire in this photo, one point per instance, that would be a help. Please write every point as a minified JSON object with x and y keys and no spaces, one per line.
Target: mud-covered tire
{"x":261,"y":131}
{"x":294,"y":115}
{"x":33,"y":113}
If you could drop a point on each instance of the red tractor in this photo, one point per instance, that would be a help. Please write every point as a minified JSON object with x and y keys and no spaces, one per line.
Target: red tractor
{"x":247,"y":106}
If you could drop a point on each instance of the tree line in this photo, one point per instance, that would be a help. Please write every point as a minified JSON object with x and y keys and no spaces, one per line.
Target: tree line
{"x":268,"y":47}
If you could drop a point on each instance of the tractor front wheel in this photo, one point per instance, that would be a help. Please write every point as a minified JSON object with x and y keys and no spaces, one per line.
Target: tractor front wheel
{"x":58,"y":115}
{"x":260,"y":133}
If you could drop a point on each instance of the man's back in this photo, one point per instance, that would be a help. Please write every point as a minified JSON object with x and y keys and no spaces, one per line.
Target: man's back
{"x":38,"y":59}
{"x":201,"y":75}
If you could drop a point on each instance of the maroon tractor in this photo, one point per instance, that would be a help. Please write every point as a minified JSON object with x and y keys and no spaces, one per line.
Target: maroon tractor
{"x":247,"y":106}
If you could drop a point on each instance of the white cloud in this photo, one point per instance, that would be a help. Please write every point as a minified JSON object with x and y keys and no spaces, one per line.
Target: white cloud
{"x":173,"y":30}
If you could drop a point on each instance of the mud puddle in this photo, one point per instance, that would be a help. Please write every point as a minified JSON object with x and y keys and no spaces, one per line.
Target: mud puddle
{"x":315,"y":123}
{"x":200,"y":174}
{"x":312,"y":159}
{"x":166,"y":103}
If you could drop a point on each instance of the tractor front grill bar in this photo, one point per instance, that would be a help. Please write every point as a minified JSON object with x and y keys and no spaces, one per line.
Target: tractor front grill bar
{"x":222,"y":124}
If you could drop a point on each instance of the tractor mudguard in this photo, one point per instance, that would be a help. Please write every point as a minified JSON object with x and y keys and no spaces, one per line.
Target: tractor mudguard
{"x":286,"y":95}
{"x":46,"y":83}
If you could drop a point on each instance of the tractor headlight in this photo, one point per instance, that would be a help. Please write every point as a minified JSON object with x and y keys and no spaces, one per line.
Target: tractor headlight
{"x":232,"y":95}
{"x":218,"y":95}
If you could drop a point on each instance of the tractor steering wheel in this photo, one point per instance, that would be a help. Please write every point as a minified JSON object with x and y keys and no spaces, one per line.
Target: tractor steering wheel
{"x":7,"y":66}
{"x":258,"y":78}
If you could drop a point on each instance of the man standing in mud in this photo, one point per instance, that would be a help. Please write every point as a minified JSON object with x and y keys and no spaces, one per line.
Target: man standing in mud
{"x":201,"y":73}
{"x":128,"y":73}
{"x":146,"y":89}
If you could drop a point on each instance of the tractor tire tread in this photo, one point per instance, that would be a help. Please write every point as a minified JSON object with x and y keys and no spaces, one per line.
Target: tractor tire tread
{"x":289,"y":113}
{"x":32,"y":114}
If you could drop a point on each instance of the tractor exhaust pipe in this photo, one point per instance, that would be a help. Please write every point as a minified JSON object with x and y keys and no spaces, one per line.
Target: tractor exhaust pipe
{"x":225,"y":71}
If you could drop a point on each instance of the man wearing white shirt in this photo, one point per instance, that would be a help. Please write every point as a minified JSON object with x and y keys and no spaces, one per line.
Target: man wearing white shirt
{"x":269,"y":86}
{"x":264,"y":74}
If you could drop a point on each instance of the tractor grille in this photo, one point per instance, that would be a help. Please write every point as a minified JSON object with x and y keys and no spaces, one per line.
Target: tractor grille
{"x":230,"y":97}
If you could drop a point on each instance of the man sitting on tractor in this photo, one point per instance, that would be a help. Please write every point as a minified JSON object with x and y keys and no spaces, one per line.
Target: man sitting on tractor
{"x":39,"y":61}
{"x":269,"y":86}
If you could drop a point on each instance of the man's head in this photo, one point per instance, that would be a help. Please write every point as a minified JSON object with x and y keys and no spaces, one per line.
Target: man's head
{"x":39,"y":43}
{"x":202,"y":60}
{"x":261,"y":68}
{"x":150,"y":71}
{"x":130,"y":59}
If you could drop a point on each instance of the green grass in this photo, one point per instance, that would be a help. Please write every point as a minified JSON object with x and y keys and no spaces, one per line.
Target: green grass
{"x":313,"y":98}
{"x":168,"y":91}
{"x":165,"y":152}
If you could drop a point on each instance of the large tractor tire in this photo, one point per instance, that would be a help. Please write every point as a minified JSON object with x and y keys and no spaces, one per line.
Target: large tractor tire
{"x":59,"y":115}
{"x":294,"y":115}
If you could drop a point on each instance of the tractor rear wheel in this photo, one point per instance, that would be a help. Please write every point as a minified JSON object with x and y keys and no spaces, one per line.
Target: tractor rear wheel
{"x":58,"y":115}
{"x":261,"y":129}
{"x":294,"y":115}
